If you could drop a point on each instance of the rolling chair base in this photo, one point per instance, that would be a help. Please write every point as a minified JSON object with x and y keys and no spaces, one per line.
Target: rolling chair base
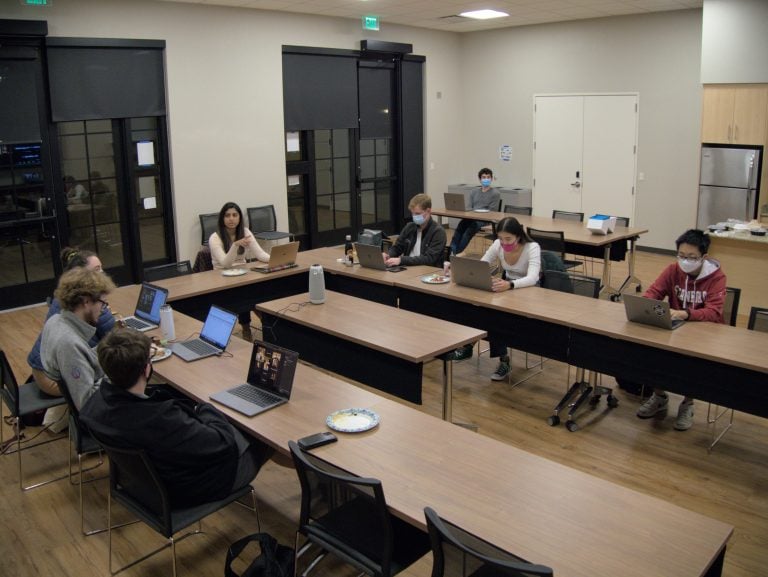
{"x":579,"y":392}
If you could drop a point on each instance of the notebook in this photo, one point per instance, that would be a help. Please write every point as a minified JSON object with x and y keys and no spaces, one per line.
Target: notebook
{"x":147,"y":314}
{"x":269,"y":383}
{"x":454,"y":201}
{"x":281,"y":256}
{"x":369,"y":256}
{"x":213,"y":339}
{"x":649,"y":312}
{"x":471,"y":272}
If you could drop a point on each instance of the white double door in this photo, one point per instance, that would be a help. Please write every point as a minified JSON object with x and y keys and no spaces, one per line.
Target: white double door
{"x":584,"y":157}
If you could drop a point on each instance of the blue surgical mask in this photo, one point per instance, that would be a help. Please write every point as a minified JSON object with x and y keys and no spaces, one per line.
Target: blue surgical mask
{"x":419,"y":219}
{"x":486,"y":182}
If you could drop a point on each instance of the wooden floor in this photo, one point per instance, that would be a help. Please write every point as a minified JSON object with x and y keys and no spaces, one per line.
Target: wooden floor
{"x":41,"y":535}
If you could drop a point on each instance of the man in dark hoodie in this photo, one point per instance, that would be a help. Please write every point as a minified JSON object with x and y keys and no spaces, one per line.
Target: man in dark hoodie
{"x":199,"y":455}
{"x":695,"y":287}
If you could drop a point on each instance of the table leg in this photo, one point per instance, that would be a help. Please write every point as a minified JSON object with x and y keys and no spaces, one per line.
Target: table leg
{"x":631,"y":278}
{"x":448,"y":396}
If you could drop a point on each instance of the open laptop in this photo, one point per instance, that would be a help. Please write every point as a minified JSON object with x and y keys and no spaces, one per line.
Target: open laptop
{"x":269,"y":384}
{"x":471,"y":272}
{"x":454,"y":201}
{"x":213,"y":339}
{"x":369,"y":256}
{"x":280,"y":257}
{"x":147,"y":314}
{"x":649,"y":312}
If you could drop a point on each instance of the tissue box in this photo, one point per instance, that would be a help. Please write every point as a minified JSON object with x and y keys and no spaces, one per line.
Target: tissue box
{"x":601,"y":224}
{"x":371,"y":237}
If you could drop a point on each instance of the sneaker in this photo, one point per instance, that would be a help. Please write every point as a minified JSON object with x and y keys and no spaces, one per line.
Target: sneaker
{"x":460,"y":354}
{"x":684,"y":416}
{"x":654,"y":405}
{"x":501,"y":371}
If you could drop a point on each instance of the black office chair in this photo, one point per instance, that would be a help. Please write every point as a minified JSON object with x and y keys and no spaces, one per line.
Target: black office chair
{"x":209,"y":223}
{"x":456,"y":552}
{"x":758,"y":319}
{"x":566,"y":215}
{"x":263,"y":224}
{"x":21,"y":401}
{"x":135,"y":484}
{"x":524,"y":210}
{"x":553,"y":240}
{"x":581,"y":389}
{"x":348,"y":517}
{"x":170,"y":270}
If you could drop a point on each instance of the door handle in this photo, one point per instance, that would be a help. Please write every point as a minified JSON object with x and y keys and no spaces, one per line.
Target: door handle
{"x":577,"y":184}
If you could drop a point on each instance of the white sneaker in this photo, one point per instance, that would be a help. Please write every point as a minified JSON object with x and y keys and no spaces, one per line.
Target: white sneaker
{"x":653,"y":406}
{"x":684,"y":416}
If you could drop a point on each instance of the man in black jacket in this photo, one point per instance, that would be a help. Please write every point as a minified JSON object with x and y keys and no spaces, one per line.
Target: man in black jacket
{"x":199,"y":455}
{"x":421,"y":241}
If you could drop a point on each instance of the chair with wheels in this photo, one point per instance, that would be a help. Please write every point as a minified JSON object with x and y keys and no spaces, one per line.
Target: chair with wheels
{"x":456,"y":552}
{"x":135,"y":484}
{"x":170,"y":270}
{"x":523,"y":210}
{"x":263,"y":224}
{"x":209,"y":223}
{"x":582,"y":389}
{"x":347,"y":516}
{"x":23,"y":400}
{"x":553,"y":240}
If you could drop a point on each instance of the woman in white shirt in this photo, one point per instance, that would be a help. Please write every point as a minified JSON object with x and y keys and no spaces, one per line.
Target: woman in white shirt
{"x":520,"y":259}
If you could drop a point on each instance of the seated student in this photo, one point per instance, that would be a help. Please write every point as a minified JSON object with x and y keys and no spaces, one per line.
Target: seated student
{"x":695,"y":287}
{"x":482,"y":197}
{"x":65,"y":350}
{"x":199,"y":455}
{"x":421,"y":241}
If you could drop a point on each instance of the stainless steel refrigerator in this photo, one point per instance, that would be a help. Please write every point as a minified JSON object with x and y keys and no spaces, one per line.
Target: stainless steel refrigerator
{"x":729,"y":184}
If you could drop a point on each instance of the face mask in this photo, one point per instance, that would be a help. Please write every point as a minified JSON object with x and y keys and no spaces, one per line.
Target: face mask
{"x":486,"y":182}
{"x":688,"y":266}
{"x":509,"y":247}
{"x":419,"y":219}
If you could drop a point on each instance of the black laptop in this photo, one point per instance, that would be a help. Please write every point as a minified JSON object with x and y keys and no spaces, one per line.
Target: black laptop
{"x":147,"y":314}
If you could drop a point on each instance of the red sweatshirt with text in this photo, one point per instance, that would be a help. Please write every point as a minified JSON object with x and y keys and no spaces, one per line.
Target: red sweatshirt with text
{"x":702,"y":296}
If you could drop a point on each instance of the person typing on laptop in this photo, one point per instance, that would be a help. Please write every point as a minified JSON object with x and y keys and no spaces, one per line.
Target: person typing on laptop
{"x":421,"y":241}
{"x":695,"y":288}
{"x":199,"y":455}
{"x":484,"y":197}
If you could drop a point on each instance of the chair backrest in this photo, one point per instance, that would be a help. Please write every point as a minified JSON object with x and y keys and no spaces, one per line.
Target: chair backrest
{"x":170,"y":270}
{"x":458,"y":552}
{"x":203,"y":260}
{"x":209,"y":223}
{"x":328,"y":492}
{"x":553,"y":240}
{"x":758,"y":319}
{"x":586,"y":286}
{"x":10,"y":386}
{"x":622,"y":221}
{"x":78,"y":432}
{"x":262,"y":219}
{"x":565,"y":215}
{"x":524,"y":210}
{"x":731,"y":305}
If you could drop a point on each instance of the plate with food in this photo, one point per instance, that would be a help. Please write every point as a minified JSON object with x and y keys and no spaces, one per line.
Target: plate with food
{"x":159,"y":353}
{"x":481,"y":210}
{"x":233,"y":272}
{"x":435,"y":278}
{"x":352,"y":420}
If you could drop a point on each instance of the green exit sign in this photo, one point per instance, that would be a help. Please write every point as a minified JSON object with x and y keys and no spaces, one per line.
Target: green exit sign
{"x":370,"y":22}
{"x":36,"y":2}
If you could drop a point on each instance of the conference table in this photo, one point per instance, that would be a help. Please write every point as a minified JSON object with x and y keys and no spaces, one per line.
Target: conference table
{"x":578,"y":240}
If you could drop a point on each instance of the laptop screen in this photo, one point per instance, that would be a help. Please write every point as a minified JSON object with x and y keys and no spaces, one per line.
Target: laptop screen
{"x":272,"y":368}
{"x":151,"y":298}
{"x":218,"y":327}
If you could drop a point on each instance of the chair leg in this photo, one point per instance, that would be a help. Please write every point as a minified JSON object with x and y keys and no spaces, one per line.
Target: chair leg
{"x":713,"y":421}
{"x":254,"y":507}
{"x":19,"y":449}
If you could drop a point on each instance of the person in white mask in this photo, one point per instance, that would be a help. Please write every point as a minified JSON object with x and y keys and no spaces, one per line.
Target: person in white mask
{"x":695,"y":288}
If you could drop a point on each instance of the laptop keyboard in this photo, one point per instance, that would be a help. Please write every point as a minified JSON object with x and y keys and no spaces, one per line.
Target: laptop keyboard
{"x":256,"y":396}
{"x":200,"y":347}
{"x":134,"y":323}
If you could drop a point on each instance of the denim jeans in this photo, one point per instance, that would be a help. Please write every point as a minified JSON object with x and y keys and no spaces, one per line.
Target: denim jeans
{"x":464,"y":233}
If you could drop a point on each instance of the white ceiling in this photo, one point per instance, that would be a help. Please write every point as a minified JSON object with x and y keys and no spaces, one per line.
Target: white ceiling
{"x":441,"y":14}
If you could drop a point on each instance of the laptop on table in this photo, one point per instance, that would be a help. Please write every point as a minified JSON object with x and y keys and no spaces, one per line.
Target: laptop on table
{"x":269,"y":384}
{"x":454,"y":201}
{"x":281,"y":256}
{"x":213,"y":339}
{"x":471,"y":272}
{"x":649,"y":312}
{"x":147,"y":314}
{"x":369,"y":256}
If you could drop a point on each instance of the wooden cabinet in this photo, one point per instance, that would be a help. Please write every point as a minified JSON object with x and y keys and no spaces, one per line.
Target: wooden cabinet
{"x":735,"y":114}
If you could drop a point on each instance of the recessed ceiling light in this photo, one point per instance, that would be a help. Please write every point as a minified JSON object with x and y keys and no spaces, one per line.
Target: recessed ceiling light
{"x":483,"y":14}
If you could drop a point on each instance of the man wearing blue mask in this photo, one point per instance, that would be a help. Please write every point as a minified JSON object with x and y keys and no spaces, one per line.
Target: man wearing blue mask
{"x":481,"y":198}
{"x":421,"y":241}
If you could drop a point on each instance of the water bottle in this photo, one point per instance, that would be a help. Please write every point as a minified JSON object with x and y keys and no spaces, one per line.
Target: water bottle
{"x":349,"y":258}
{"x":166,"y":323}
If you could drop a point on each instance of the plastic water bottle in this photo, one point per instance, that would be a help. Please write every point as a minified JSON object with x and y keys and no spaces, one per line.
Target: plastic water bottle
{"x":166,"y":323}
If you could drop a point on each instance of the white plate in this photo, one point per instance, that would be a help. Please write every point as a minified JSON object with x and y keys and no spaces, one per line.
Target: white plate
{"x":161,"y":354}
{"x":352,"y":420}
{"x":435,"y":278}
{"x":481,"y":210}
{"x":233,"y":272}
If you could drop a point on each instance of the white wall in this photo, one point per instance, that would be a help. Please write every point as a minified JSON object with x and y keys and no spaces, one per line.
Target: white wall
{"x":734,"y":43}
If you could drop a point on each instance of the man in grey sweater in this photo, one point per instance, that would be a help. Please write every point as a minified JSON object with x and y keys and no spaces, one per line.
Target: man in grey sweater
{"x":67,"y":357}
{"x":481,"y":198}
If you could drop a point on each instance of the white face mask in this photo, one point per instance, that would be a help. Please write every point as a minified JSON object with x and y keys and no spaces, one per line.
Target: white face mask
{"x":688,"y":266}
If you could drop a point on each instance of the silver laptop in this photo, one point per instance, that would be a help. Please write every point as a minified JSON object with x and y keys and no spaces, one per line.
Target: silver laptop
{"x":454,"y":201}
{"x":269,"y":384}
{"x":471,"y":272}
{"x":369,"y":256}
{"x":280,"y":257}
{"x":649,"y":312}
{"x":147,"y":314}
{"x":213,"y":339}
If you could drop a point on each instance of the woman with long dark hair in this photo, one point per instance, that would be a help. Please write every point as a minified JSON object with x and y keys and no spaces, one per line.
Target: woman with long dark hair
{"x":233,"y":242}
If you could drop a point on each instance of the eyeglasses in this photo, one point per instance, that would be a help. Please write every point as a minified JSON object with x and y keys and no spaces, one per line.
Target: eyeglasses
{"x":691,"y":257}
{"x":104,"y":304}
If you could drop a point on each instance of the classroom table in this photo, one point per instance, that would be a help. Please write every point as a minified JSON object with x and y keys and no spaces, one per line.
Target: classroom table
{"x":379,"y":345}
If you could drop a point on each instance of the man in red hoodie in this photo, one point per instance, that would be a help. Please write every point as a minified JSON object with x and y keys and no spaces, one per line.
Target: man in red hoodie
{"x":695,"y":287}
